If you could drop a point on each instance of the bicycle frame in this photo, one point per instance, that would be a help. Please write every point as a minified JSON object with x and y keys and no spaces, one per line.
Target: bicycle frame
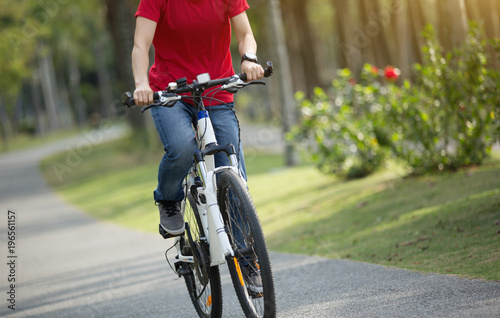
{"x":204,"y":168}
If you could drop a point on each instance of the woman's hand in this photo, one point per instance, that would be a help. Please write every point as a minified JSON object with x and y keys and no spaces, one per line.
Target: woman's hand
{"x":253,"y":70}
{"x":143,"y":95}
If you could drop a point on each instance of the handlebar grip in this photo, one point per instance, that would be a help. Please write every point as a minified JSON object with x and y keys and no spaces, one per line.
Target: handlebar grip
{"x":267,"y":72}
{"x":128,"y":99}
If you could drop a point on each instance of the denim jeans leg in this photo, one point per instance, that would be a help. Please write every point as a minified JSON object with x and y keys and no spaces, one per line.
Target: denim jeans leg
{"x":176,"y":133}
{"x":227,"y":131}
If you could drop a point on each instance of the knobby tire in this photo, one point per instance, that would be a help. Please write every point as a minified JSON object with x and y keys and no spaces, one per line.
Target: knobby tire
{"x":240,"y":217}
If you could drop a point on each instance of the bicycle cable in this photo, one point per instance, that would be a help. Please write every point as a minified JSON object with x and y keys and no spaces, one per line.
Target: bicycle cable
{"x":166,"y":257}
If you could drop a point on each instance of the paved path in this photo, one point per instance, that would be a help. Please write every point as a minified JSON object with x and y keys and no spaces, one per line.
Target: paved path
{"x":70,"y":265}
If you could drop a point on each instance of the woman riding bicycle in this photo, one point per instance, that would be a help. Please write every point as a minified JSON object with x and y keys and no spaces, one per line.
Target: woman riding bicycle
{"x":190,"y":37}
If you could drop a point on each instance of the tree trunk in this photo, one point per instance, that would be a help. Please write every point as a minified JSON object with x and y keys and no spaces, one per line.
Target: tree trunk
{"x":66,"y":112}
{"x":36,"y":99}
{"x":104,"y":81}
{"x":283,"y":73}
{"x":374,"y":21}
{"x":121,"y":24}
{"x":3,"y":125}
{"x":495,"y":19}
{"x":453,"y":23}
{"x":473,"y":11}
{"x":294,"y":47}
{"x":49,"y":85}
{"x":79,"y":105}
{"x":303,"y":46}
{"x":403,"y":40}
{"x":417,"y":27}
{"x":365,"y":24}
{"x":495,"y":25}
{"x":383,"y":16}
{"x":351,"y":43}
{"x":488,"y":19}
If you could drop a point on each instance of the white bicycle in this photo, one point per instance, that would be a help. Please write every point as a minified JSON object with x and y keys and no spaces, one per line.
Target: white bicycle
{"x":222,"y":225}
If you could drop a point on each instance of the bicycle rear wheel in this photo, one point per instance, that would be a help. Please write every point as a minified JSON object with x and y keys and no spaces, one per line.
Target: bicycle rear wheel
{"x":202,"y":281}
{"x":246,"y":236}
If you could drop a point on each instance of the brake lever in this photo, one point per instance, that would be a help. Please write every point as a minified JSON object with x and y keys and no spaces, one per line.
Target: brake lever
{"x":234,"y":85}
{"x":151,"y":106}
{"x":254,"y":82}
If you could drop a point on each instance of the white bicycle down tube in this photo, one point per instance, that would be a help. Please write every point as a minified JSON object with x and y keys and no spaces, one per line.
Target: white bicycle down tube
{"x":219,"y":242}
{"x":205,"y":136}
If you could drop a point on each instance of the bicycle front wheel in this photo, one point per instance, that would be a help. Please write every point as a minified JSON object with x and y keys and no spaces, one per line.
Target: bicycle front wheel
{"x":202,"y":281}
{"x":250,"y":269}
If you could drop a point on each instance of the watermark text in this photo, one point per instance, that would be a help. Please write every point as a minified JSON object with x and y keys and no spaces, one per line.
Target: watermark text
{"x":11,"y":259}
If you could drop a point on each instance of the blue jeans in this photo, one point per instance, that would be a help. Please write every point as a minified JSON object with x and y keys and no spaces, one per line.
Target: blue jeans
{"x":178,"y":138}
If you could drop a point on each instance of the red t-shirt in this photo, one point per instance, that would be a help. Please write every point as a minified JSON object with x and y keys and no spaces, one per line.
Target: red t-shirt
{"x":192,"y":37}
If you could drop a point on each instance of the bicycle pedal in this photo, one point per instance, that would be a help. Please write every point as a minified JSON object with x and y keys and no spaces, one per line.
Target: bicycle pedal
{"x":165,"y":234}
{"x":181,"y":269}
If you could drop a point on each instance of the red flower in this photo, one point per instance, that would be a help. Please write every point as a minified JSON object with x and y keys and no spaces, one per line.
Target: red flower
{"x":374,"y":70}
{"x":392,"y":73}
{"x":352,"y":81}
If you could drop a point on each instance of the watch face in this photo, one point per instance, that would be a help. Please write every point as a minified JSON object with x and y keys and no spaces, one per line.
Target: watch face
{"x":250,"y":57}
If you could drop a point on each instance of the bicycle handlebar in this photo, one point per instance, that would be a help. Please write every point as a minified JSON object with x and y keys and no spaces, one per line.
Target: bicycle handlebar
{"x":171,"y":94}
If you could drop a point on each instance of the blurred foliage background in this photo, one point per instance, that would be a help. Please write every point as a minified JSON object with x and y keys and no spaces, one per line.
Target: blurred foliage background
{"x":64,"y":64}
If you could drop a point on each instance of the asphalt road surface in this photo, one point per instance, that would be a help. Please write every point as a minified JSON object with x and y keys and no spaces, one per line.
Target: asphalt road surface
{"x":67,"y":264}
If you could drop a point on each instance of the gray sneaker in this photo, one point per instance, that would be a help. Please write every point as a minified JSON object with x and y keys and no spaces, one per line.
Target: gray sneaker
{"x":171,"y":218}
{"x":252,"y":278}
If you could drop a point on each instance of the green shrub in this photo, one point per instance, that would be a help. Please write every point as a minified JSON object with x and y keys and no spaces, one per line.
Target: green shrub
{"x":337,"y":132}
{"x":444,"y":120}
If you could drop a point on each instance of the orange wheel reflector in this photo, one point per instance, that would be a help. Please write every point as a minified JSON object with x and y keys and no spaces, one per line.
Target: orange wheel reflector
{"x":209,"y":300}
{"x":238,"y":270}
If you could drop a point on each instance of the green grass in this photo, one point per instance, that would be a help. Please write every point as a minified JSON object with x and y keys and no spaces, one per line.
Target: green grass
{"x":445,"y":223}
{"x":24,"y":141}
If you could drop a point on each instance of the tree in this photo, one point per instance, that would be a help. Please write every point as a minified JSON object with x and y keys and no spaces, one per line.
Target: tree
{"x":121,"y":24}
{"x":284,"y":75}
{"x":350,"y":44}
{"x":453,"y":23}
{"x":418,"y":23}
{"x":16,"y":50}
{"x":301,"y":43}
{"x":374,"y":21}
{"x":403,"y":39}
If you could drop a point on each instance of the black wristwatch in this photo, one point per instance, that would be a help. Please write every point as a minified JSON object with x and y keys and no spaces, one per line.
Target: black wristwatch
{"x":249,"y":57}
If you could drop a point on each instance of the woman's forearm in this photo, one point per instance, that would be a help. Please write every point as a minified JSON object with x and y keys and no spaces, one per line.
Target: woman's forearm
{"x":144,"y":33}
{"x":247,"y":44}
{"x":140,"y":65}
